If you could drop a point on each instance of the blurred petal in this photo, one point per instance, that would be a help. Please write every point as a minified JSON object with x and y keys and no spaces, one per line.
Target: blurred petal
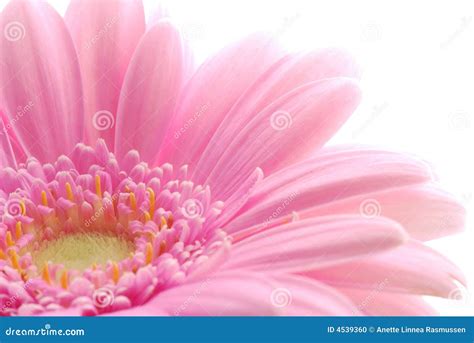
{"x":41,"y":83}
{"x":105,"y":34}
{"x":210,"y":94}
{"x":327,"y":178}
{"x":412,"y":268}
{"x":153,"y":81}
{"x":307,"y":244}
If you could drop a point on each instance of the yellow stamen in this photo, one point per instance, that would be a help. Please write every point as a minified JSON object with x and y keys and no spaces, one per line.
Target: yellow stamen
{"x":115,"y":272}
{"x":23,"y":207}
{"x":44,"y":198}
{"x":9,"y":239}
{"x":162,"y":247}
{"x":2,"y":255}
{"x":69,"y":193}
{"x":152,"y":197}
{"x":147,"y":216}
{"x":14,"y":259}
{"x":45,"y":273}
{"x":94,"y":266}
{"x":133,"y":201}
{"x":98,"y":186}
{"x":64,"y":279}
{"x":148,"y":253}
{"x":18,"y":230}
{"x":163,"y":222}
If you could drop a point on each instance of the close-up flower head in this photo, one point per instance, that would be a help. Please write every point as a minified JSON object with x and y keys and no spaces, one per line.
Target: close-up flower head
{"x":135,"y":181}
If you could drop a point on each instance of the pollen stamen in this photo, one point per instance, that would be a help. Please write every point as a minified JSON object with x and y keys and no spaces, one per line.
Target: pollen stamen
{"x":98,"y":186}
{"x":148,"y":253}
{"x":45,"y":273}
{"x":147,"y":216}
{"x":152,"y":198}
{"x":64,"y":279}
{"x":133,"y":201}
{"x":162,"y":222}
{"x":115,"y":272}
{"x":44,"y":198}
{"x":18,"y":230}
{"x":8,"y":239}
{"x":69,"y":194}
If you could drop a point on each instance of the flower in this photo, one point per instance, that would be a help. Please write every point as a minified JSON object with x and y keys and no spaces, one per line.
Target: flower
{"x":132,"y":184}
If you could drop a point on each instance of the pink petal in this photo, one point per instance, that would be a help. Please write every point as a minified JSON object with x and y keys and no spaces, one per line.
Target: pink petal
{"x":310,"y":115}
{"x":240,"y":293}
{"x":7,"y":157}
{"x":105,"y":34}
{"x":41,"y":84}
{"x":327,"y":178}
{"x":245,"y":293}
{"x":211,"y":93}
{"x":425,"y":211}
{"x":307,"y":244}
{"x":375,"y":302}
{"x":287,"y":74}
{"x":299,"y":296}
{"x":412,"y":268}
{"x":152,"y":83}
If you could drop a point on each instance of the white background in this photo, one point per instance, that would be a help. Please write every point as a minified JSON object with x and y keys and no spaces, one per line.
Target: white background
{"x":418,"y":60}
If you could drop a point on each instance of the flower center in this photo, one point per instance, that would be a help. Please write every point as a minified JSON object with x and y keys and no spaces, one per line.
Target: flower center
{"x":87,"y":223}
{"x":82,"y":250}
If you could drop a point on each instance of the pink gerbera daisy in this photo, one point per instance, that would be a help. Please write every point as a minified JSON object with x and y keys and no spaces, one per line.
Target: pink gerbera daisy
{"x":132,"y":184}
